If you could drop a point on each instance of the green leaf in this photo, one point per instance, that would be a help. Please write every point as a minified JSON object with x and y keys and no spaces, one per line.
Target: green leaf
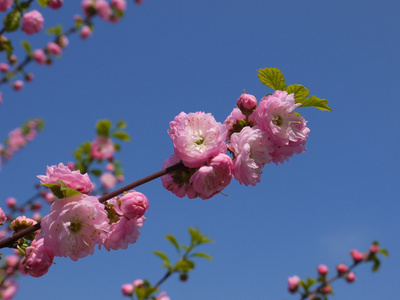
{"x":317,"y":103}
{"x":384,"y":252}
{"x":376,"y":264}
{"x":67,"y":192}
{"x":203,"y":255}
{"x":310,"y":281}
{"x":184,"y":265}
{"x":195,"y":235}
{"x":164,"y":257}
{"x":121,"y":124}
{"x":11,"y":21}
{"x":122,"y":135}
{"x":173,"y":241}
{"x":272,"y":78}
{"x":6,"y":45}
{"x":27,"y":46}
{"x":117,"y":147}
{"x":103,"y":127}
{"x":24,"y":5}
{"x":300,"y":92}
{"x":55,"y":189}
{"x":96,"y":172}
{"x":56,"y":30}
{"x":43,"y":3}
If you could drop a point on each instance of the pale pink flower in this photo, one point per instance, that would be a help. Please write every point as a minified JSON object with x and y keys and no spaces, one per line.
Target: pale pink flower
{"x":5,"y":4}
{"x":53,"y":48}
{"x":322,"y":269}
{"x":197,"y":137}
{"x":16,"y":140}
{"x":63,"y":41}
{"x":3,"y":234}
{"x":103,"y":9}
{"x":127,"y":289}
{"x":85,"y":32}
{"x":138,"y":282}
{"x":110,"y":167}
{"x":18,"y":85}
{"x":251,"y":148}
{"x":71,"y":165}
{"x":21,"y":223}
{"x":32,"y":22}
{"x":4,"y":67}
{"x":72,"y":179}
{"x":132,"y":205}
{"x":214,"y":177}
{"x":235,"y":121}
{"x":178,"y":182}
{"x":342,"y":269}
{"x":163,"y":296}
{"x":38,"y":257}
{"x":74,"y":226}
{"x":3,"y":217}
{"x":39,"y":56}
{"x":108,"y":180}
{"x":123,"y":233}
{"x":8,"y":289}
{"x":102,"y":148}
{"x":357,"y":256}
{"x":88,"y":8}
{"x":12,"y":260}
{"x":246,"y":102}
{"x":55,"y":4}
{"x":293,"y":283}
{"x":119,"y":4}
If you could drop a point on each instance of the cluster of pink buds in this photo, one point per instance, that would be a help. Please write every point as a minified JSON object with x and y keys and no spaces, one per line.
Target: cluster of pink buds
{"x":110,"y":12}
{"x":254,"y":136}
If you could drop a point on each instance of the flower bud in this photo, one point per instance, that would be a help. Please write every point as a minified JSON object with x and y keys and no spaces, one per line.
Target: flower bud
{"x":183,"y":277}
{"x":293,"y":283}
{"x":374,"y":248}
{"x":127,"y":289}
{"x":4,"y":67}
{"x":322,"y":270}
{"x":357,"y":256}
{"x":28,"y":77}
{"x":18,"y":85}
{"x":350,"y":277}
{"x":342,"y":269}
{"x":246,"y":102}
{"x":32,"y":22}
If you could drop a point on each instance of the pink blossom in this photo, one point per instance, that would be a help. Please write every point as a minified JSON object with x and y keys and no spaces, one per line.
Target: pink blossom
{"x":197,"y":137}
{"x":21,"y":223}
{"x":119,"y":4}
{"x":11,"y":202}
{"x":85,"y":32}
{"x":88,"y":8}
{"x":110,"y":167}
{"x":178,"y":182}
{"x":55,"y":4}
{"x":138,"y":282}
{"x":211,"y":179}
{"x":350,"y":277}
{"x":3,"y":217}
{"x":251,"y":148}
{"x":4,"y":67}
{"x":38,"y":258}
{"x":103,"y":9}
{"x":235,"y":121}
{"x":18,"y":85}
{"x":71,"y":165}
{"x":102,"y":148}
{"x":8,"y":289}
{"x":39,"y":56}
{"x":32,"y":22}
{"x":108,"y":180}
{"x":293,"y":283}
{"x":74,"y":226}
{"x":133,"y":205}
{"x":322,"y":270}
{"x":123,"y":233}
{"x":5,"y":4}
{"x":374,"y":248}
{"x":72,"y":179}
{"x":63,"y":41}
{"x":53,"y":48}
{"x":163,"y":296}
{"x":247,"y":102}
{"x":127,"y":289}
{"x":16,"y":140}
{"x":342,"y":269}
{"x":12,"y":260}
{"x":357,"y":256}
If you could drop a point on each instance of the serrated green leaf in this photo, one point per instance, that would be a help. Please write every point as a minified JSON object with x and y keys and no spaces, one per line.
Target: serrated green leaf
{"x":121,"y":124}
{"x":43,"y":3}
{"x":384,"y":252}
{"x":184,"y":265}
{"x":56,"y":30}
{"x":103,"y":127}
{"x":300,"y":92}
{"x":203,"y":255}
{"x":173,"y":241}
{"x":122,"y":135}
{"x":11,"y":21}
{"x":272,"y":78}
{"x":27,"y":46}
{"x":317,"y":103}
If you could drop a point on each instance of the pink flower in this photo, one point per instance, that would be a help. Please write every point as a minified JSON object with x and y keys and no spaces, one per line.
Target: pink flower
{"x":32,"y":22}
{"x":322,"y":270}
{"x":74,"y":226}
{"x":350,"y":277}
{"x":72,"y":179}
{"x":178,"y":182}
{"x":127,"y":289}
{"x":55,"y":4}
{"x":123,"y":233}
{"x":4,"y":67}
{"x":3,"y":217}
{"x":293,"y":283}
{"x":133,"y":205}
{"x":138,"y":282}
{"x":63,"y":41}
{"x":342,"y":269}
{"x":119,"y":4}
{"x":38,"y":258}
{"x":21,"y":223}
{"x":211,"y":179}
{"x":357,"y":256}
{"x":108,"y":180}
{"x":16,"y":140}
{"x":85,"y":32}
{"x":5,"y":4}
{"x":163,"y":296}
{"x":247,"y":102}
{"x":374,"y":248}
{"x":39,"y":56}
{"x":53,"y":48}
{"x":235,"y":121}
{"x":11,"y":202}
{"x":197,"y":137}
{"x":18,"y":85}
{"x":251,"y":148}
{"x":88,"y":8}
{"x":8,"y":289}
{"x":103,"y":9}
{"x":102,"y":148}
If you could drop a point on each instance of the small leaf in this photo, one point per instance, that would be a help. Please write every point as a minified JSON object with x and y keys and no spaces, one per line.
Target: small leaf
{"x":96,"y":172}
{"x":376,"y":264}
{"x":184,"y":265}
{"x":11,"y":21}
{"x":103,"y":127}
{"x":310,"y":281}
{"x":43,"y":3}
{"x":203,"y":255}
{"x":121,"y":124}
{"x":27,"y":47}
{"x":24,"y":5}
{"x":316,"y":102}
{"x":300,"y":92}
{"x":122,"y":135}
{"x":164,"y":257}
{"x":173,"y":241}
{"x":55,"y":189}
{"x":56,"y":30}
{"x":384,"y":252}
{"x":272,"y":78}
{"x":195,"y":235}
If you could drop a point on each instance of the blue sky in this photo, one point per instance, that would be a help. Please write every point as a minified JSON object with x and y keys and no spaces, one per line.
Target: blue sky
{"x":165,"y":57}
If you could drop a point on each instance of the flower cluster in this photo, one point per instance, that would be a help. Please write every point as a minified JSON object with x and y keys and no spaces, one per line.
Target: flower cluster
{"x":254,"y":136}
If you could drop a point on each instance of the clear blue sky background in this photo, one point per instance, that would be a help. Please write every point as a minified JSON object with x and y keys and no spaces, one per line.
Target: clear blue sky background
{"x":171,"y":56}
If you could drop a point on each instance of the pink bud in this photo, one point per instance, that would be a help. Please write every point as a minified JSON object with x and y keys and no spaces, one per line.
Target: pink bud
{"x":18,"y":85}
{"x":357,"y":256}
{"x":293,"y":283}
{"x":85,"y":32}
{"x":55,"y":4}
{"x":350,"y":277}
{"x":4,"y":67}
{"x":127,"y":289}
{"x":5,"y":4}
{"x":29,"y":77}
{"x":322,"y":270}
{"x":246,"y":102}
{"x":54,"y":48}
{"x":32,"y":22}
{"x":138,"y":282}
{"x":138,"y":1}
{"x":327,"y":289}
{"x":39,"y":56}
{"x":374,"y":248}
{"x":3,"y":217}
{"x":342,"y":269}
{"x":63,"y":41}
{"x":13,"y":59}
